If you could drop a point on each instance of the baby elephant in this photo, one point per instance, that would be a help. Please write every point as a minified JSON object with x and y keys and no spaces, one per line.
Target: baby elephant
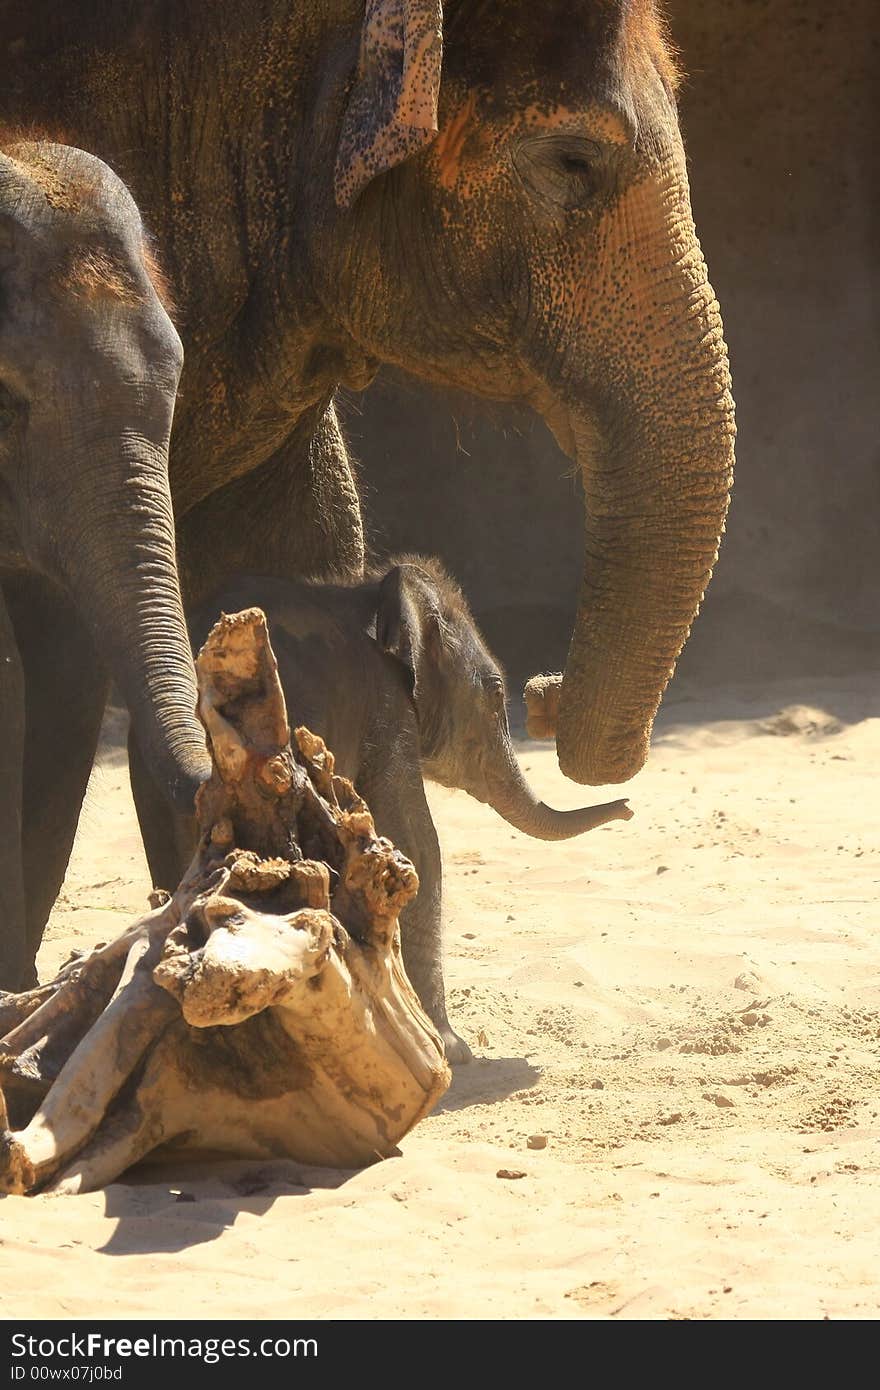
{"x":395,"y":676}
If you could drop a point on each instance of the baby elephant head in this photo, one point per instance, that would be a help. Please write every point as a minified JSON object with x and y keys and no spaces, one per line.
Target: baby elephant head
{"x":458,"y":689}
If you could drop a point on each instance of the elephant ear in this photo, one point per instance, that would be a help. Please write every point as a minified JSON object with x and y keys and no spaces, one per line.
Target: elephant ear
{"x":398,"y":628}
{"x":392,"y":108}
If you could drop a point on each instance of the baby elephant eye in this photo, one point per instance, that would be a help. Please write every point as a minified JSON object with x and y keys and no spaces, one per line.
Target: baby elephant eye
{"x":494,"y":689}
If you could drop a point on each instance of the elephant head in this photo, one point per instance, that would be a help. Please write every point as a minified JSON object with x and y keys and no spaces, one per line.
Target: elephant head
{"x":89,"y":366}
{"x":516,"y":222}
{"x":423,"y":619}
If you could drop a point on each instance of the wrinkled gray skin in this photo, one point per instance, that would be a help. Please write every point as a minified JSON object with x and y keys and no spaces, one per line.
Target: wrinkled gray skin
{"x":395,"y":676}
{"x":89,"y":366}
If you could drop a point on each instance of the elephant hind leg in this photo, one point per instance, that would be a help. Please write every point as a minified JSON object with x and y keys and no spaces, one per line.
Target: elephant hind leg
{"x":65,"y":693}
{"x":401,"y":812}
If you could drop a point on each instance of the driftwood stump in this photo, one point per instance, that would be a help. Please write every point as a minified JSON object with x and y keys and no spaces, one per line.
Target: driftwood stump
{"x":263,"y":1010}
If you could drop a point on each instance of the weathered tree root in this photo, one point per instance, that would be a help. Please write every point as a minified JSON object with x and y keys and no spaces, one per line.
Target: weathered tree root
{"x":263,"y":1009}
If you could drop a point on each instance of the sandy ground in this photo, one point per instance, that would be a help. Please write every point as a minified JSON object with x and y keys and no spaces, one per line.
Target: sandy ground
{"x":687,"y":1009}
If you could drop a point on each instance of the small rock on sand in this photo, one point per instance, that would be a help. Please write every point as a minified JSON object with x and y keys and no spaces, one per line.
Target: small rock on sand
{"x":746,"y":980}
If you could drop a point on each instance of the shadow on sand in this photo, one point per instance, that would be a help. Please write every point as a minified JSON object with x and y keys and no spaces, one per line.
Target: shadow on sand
{"x":171,"y":1204}
{"x":168,"y":1206}
{"x":486,"y":1080}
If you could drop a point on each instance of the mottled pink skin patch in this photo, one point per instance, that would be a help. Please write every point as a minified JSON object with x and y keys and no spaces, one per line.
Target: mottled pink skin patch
{"x":392,"y":111}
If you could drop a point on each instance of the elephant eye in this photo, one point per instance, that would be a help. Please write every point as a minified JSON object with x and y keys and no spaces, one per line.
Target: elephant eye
{"x":575,"y":164}
{"x":561,"y":169}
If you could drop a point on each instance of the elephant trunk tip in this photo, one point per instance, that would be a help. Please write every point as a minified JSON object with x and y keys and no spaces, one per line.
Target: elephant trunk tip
{"x":184,"y":788}
{"x":180,"y":769}
{"x":596,"y":767}
{"x":591,"y":760}
{"x":541,"y":696}
{"x":543,"y":822}
{"x":550,"y":824}
{"x":594,"y":755}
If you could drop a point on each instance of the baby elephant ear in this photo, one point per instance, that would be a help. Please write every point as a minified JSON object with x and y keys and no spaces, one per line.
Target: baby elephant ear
{"x":392,"y":108}
{"x":397,"y":620}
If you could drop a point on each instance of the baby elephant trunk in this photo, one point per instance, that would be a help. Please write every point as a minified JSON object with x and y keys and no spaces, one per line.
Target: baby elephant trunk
{"x":507,"y":792}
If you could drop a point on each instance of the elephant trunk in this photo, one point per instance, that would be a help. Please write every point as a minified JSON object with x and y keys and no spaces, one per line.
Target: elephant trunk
{"x":506,"y":790}
{"x":655,"y":512}
{"x":651,"y":427}
{"x":115,"y":553}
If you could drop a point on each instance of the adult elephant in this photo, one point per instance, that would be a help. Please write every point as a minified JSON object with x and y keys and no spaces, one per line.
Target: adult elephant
{"x":488,"y":195}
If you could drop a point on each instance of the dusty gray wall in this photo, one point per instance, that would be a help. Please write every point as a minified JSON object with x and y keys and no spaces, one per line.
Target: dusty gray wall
{"x":780,"y":120}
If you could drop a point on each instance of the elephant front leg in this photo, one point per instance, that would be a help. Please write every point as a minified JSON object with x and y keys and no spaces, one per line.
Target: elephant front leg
{"x":16,"y":968}
{"x":65,"y":692}
{"x":401,"y":812}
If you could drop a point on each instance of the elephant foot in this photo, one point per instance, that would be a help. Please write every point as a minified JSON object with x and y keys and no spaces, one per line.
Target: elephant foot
{"x":434,"y":1004}
{"x":456,"y":1049}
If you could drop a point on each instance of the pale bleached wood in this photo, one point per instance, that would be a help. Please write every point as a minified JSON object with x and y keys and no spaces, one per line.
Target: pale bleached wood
{"x":263,"y":1010}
